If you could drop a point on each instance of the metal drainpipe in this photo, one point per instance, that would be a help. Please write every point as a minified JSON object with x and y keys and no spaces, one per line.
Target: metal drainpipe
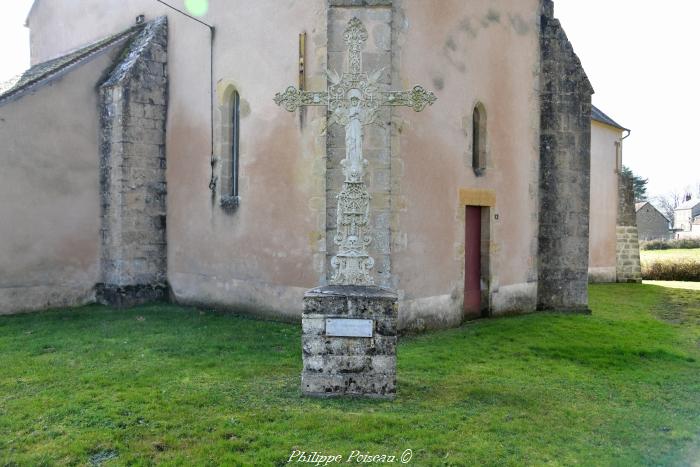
{"x":212,"y":180}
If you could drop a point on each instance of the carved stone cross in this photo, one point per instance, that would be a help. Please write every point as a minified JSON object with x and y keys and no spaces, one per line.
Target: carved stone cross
{"x":353,"y":100}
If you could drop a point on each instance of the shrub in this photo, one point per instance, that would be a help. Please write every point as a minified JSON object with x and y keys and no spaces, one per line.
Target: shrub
{"x":671,"y":271}
{"x":685,"y":243}
{"x":655,"y":245}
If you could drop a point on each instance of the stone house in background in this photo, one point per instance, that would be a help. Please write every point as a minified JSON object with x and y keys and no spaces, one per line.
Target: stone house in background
{"x":148,"y":160}
{"x":686,"y":219}
{"x":652,"y":225}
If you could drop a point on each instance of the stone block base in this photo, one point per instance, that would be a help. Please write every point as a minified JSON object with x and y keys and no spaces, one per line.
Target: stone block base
{"x":124,"y":296}
{"x":629,"y":268}
{"x":346,"y":359}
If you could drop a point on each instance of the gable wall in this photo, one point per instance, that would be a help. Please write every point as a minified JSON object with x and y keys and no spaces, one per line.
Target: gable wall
{"x":603,"y":210}
{"x":651,"y":224}
{"x":50,"y":209}
{"x":466,"y":52}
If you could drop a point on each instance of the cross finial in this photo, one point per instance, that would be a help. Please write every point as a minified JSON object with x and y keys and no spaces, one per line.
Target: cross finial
{"x":355,"y":37}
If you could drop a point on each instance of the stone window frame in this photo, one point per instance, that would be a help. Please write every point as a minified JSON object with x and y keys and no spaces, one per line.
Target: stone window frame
{"x":479,"y":139}
{"x":229,"y":145}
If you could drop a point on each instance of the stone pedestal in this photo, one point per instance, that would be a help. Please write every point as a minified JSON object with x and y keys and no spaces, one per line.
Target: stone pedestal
{"x":349,"y":341}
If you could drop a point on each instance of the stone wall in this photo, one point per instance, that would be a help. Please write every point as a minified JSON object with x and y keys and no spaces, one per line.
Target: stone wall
{"x":565,"y":138}
{"x":257,"y":259}
{"x":49,"y":190}
{"x":133,"y":101}
{"x":628,"y":263}
{"x":651,"y":224}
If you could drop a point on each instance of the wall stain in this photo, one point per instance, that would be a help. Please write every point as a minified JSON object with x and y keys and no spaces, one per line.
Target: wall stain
{"x":245,"y":108}
{"x":493,"y":16}
{"x":450,"y":50}
{"x":466,"y":26}
{"x":519,"y":24}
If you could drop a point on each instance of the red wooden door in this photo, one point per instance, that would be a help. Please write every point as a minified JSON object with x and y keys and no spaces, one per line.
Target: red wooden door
{"x":472,"y":262}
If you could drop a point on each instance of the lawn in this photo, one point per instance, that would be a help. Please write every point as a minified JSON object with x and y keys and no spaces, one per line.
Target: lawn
{"x":164,"y":384}
{"x":692,"y":254}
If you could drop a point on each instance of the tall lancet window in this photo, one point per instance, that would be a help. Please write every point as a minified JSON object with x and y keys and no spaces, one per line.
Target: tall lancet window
{"x":235,"y":136}
{"x":230,"y":148}
{"x":479,"y":139}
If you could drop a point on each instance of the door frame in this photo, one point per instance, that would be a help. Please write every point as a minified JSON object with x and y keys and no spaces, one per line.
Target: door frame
{"x":486,"y":200}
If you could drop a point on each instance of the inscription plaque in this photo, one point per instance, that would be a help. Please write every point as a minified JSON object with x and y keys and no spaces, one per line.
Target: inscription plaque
{"x":348,"y":327}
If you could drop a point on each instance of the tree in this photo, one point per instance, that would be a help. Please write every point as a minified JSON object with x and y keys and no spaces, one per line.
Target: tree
{"x":640,"y":184}
{"x":668,"y":203}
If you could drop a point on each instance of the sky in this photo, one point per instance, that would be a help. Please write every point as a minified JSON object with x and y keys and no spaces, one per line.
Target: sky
{"x":14,"y":38}
{"x":643,"y":59}
{"x":640,"y":55}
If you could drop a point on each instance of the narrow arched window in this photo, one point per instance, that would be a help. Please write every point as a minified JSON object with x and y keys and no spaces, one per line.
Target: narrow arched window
{"x":479,"y":139}
{"x":235,"y":137}
{"x":230,"y":147}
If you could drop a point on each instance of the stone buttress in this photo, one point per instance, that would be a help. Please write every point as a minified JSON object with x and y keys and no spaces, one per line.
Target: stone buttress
{"x":628,"y":267}
{"x":565,"y":163}
{"x":133,"y":106}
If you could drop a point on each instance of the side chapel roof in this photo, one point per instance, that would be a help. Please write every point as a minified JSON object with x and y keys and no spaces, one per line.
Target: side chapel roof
{"x":599,"y":116}
{"x":44,"y":72}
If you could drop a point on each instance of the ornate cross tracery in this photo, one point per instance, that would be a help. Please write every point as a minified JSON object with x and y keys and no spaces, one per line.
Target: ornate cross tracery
{"x":353,"y":100}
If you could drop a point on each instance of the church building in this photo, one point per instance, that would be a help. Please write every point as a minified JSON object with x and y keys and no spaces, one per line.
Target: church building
{"x":144,"y":156}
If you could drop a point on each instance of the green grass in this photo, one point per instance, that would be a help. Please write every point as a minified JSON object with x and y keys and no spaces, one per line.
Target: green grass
{"x":670,"y":255}
{"x":163,"y":384}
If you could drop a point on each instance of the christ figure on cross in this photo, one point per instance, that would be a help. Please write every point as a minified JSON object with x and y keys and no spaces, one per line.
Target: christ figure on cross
{"x":353,"y":118}
{"x":353,"y":100}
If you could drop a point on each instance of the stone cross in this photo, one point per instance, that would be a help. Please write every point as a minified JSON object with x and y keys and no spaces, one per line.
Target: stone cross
{"x":353,"y":100}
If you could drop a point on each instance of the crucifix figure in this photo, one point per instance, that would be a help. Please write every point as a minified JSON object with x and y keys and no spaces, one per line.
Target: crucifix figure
{"x":353,"y":100}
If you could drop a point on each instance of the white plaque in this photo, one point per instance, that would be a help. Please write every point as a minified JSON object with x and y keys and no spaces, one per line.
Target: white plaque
{"x":337,"y":327}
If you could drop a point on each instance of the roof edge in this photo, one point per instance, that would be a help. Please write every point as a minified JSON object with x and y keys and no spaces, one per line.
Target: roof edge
{"x":36,"y":76}
{"x":605,"y":119}
{"x":644,"y":203}
{"x":121,"y":69}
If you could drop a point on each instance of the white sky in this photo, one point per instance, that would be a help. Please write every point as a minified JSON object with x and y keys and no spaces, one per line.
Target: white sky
{"x":643,"y":59}
{"x":641,"y":56}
